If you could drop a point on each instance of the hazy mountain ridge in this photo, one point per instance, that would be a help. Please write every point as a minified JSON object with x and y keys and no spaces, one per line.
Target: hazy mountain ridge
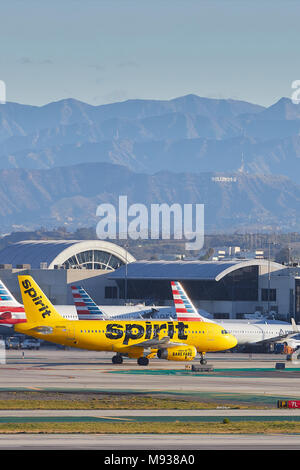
{"x":59,"y":161}
{"x":70,"y":195}
{"x":151,"y":135}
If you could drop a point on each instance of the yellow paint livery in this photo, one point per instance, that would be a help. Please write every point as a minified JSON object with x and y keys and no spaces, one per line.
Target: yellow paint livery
{"x":171,"y":340}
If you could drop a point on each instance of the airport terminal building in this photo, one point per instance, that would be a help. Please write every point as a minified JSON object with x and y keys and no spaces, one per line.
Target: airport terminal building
{"x":225,"y":289}
{"x":231,"y":288}
{"x":57,"y":264}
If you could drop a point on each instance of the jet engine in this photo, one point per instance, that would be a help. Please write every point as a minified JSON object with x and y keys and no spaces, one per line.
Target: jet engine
{"x":179,"y":353}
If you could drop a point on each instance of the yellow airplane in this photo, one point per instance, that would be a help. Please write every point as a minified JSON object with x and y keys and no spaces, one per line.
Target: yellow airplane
{"x":171,"y":340}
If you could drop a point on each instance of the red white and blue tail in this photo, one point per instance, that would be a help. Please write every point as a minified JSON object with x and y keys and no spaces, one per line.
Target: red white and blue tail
{"x":11,"y":311}
{"x":185,"y":310}
{"x":86,"y":308}
{"x":6,"y":297}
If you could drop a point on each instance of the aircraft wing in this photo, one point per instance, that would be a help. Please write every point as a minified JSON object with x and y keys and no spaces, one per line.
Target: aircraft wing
{"x":274,"y":339}
{"x":282,"y":335}
{"x":156,"y":343}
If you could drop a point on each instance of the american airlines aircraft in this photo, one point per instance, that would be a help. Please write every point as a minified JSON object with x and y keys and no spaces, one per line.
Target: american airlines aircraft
{"x":245,"y":332}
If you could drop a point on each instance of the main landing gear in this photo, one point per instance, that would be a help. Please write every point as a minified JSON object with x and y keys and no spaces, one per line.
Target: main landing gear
{"x":117,"y":359}
{"x":142,"y":361}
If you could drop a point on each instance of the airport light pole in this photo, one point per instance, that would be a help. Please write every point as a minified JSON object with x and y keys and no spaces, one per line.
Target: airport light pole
{"x":269,"y":276}
{"x":125,"y":294}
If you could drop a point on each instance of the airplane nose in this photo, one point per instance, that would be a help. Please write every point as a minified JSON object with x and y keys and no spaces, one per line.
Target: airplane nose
{"x":232,"y":341}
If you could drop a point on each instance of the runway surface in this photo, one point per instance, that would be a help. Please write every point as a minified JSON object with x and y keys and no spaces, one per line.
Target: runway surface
{"x":111,"y":442}
{"x":249,"y":377}
{"x":84,"y":370}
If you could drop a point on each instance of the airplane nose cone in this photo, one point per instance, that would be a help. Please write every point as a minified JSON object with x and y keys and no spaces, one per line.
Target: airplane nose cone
{"x":232,"y":341}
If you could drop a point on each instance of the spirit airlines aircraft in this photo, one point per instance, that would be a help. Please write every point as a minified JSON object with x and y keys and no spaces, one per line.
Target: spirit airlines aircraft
{"x":245,"y":332}
{"x":170,"y":340}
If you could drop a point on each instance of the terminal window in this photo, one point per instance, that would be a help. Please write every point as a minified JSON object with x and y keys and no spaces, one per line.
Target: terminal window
{"x":239,"y":285}
{"x":268,"y":295}
{"x":111,"y":292}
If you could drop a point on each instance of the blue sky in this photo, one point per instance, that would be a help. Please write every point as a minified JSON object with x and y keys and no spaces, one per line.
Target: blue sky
{"x":101,"y":51}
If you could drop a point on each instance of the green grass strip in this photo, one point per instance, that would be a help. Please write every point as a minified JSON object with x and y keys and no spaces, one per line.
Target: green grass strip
{"x":226,"y":427}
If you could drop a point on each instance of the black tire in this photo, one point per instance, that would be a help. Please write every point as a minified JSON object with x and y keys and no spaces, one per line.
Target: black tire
{"x":117,"y":359}
{"x":114,"y":359}
{"x":143,"y":361}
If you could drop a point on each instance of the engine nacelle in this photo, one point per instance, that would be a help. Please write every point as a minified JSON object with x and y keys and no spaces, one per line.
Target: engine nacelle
{"x":181,"y":353}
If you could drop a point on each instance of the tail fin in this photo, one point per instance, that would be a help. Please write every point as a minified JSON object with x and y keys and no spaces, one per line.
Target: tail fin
{"x":86,"y":308}
{"x":185,"y":310}
{"x":38,"y":307}
{"x":294,"y":325}
{"x":6,"y":297}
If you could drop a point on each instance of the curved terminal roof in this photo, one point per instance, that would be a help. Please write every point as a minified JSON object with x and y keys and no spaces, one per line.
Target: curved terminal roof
{"x":66,"y":253}
{"x":188,"y":270}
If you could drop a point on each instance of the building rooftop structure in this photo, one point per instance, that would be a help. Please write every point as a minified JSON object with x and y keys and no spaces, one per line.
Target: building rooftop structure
{"x":65,"y":254}
{"x":189,"y":270}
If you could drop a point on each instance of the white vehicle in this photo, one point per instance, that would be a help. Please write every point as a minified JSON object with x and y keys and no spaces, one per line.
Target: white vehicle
{"x":293,"y":340}
{"x":12,"y":343}
{"x":30,"y":343}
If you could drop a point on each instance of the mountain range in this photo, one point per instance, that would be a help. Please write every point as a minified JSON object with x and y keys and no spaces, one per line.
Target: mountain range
{"x":59,"y":161}
{"x":70,"y":195}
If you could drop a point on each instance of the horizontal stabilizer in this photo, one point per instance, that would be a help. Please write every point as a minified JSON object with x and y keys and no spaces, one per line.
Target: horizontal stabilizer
{"x":44,"y":330}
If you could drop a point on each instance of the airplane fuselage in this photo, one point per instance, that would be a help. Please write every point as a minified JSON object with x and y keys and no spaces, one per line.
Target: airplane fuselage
{"x":251,"y":333}
{"x":121,"y":336}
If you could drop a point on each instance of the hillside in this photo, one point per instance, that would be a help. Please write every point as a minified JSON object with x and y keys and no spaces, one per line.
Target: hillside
{"x":59,"y":161}
{"x":70,"y":195}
